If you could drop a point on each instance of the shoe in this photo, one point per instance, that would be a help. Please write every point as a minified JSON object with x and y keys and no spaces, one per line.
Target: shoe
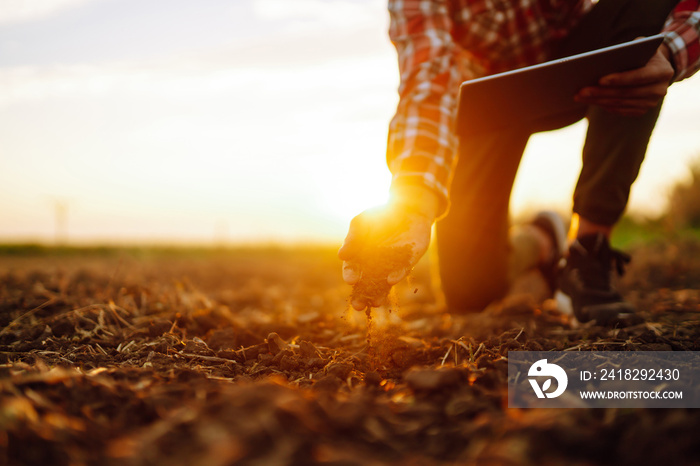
{"x":553,"y":226}
{"x":585,"y":282}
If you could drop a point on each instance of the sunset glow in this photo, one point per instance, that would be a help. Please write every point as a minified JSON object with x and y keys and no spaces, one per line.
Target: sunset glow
{"x":223,"y":121}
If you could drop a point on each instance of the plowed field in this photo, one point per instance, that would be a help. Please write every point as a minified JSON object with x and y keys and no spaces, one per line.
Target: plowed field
{"x":252,"y":357}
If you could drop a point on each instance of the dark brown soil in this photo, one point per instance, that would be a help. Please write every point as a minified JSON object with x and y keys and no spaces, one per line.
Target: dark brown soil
{"x":376,"y":264}
{"x":252,"y":357}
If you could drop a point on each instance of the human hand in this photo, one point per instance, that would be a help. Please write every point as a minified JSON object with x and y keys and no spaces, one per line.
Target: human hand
{"x":634,"y":92}
{"x":384,"y":243}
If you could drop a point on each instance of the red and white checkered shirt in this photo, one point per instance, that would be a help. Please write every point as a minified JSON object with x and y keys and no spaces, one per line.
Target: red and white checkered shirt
{"x":442,"y":43}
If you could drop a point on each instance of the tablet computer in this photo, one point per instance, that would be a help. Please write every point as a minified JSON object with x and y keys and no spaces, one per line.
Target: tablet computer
{"x":547,"y":89}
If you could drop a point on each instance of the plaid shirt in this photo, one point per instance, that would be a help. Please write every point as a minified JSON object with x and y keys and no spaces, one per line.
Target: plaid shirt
{"x":442,"y":43}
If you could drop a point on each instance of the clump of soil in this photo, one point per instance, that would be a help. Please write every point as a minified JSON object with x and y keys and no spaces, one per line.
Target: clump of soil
{"x":376,"y":264}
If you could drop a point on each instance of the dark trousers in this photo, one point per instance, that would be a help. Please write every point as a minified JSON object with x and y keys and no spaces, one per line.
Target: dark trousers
{"x":472,"y":240}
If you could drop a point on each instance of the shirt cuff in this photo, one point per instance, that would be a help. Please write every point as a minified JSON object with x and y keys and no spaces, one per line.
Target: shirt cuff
{"x":424,"y":180}
{"x":679,"y":55}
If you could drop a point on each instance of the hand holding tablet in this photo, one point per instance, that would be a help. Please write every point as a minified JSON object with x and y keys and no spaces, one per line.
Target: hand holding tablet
{"x":555,"y":87}
{"x":634,"y":92}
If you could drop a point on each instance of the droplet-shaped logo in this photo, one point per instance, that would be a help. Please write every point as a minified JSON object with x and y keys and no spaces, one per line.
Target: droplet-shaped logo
{"x":542,"y":368}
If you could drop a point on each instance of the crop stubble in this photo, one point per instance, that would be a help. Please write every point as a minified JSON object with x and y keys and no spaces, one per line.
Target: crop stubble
{"x":241,"y":358}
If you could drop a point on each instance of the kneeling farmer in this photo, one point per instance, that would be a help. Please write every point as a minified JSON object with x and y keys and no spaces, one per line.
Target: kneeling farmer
{"x":442,"y":43}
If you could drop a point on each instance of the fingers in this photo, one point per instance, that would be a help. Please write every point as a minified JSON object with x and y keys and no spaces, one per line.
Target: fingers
{"x":360,"y":303}
{"x":654,"y":92}
{"x":627,"y":112}
{"x":633,"y":92}
{"x":379,"y":301}
{"x":638,"y":77}
{"x":351,"y":272}
{"x":657,"y":70}
{"x":353,"y":241}
{"x":396,"y":276}
{"x":623,"y":100}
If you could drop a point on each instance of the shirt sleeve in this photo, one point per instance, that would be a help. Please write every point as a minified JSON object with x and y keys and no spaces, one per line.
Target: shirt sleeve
{"x":421,"y":149}
{"x":682,"y":30}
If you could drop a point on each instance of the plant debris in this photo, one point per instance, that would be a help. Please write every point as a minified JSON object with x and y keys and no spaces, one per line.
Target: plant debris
{"x":242,"y":357}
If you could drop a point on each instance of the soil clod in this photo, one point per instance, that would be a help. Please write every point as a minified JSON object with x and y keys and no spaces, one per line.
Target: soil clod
{"x":376,"y":264}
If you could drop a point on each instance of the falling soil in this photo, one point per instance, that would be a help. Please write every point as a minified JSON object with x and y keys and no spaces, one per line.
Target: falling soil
{"x":368,"y":313}
{"x":376,"y":264}
{"x":240,"y":357}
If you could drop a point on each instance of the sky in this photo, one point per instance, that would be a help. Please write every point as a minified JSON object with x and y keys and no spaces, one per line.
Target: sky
{"x":228,"y":121}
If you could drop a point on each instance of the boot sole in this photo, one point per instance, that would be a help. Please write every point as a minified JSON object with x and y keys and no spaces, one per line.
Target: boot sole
{"x":608,"y":314}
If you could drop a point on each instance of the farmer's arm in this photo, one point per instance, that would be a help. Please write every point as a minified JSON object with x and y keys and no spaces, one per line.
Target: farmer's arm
{"x":637,"y":91}
{"x":421,"y":146}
